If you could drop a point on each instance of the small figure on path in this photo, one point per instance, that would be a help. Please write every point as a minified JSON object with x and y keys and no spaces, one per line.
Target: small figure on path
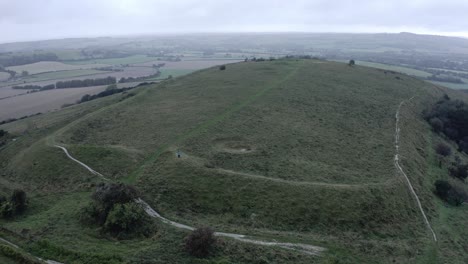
{"x":178,"y":153}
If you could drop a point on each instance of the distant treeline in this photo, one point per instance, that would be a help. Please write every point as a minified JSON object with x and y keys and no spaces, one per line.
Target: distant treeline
{"x":15,"y":60}
{"x":85,"y":83}
{"x":133,"y":79}
{"x":70,"y":84}
{"x":35,"y":87}
{"x":109,"y":91}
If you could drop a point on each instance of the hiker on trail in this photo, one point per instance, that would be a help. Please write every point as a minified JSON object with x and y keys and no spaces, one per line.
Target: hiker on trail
{"x":178,"y":153}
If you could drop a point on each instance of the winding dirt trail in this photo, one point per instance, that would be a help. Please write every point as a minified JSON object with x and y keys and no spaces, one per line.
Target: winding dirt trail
{"x":304,"y":248}
{"x":400,"y":169}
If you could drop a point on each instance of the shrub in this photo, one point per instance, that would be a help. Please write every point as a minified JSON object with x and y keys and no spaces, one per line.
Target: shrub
{"x":459,"y":171}
{"x":436,"y":124}
{"x":443,"y":150}
{"x":18,"y":200}
{"x":3,"y":132}
{"x":109,"y":194}
{"x":16,"y":205}
{"x":200,"y":242}
{"x":7,"y":210}
{"x":222,"y":67}
{"x":446,"y":192}
{"x":352,"y":63}
{"x":114,"y":210}
{"x":128,"y":219}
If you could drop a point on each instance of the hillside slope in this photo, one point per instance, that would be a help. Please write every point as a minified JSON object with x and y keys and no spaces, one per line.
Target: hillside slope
{"x":287,"y":150}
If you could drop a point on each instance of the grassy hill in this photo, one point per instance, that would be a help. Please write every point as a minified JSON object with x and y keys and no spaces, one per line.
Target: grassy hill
{"x":287,"y":150}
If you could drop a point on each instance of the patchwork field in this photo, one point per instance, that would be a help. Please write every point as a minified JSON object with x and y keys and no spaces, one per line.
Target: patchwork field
{"x":42,"y":102}
{"x":52,"y":66}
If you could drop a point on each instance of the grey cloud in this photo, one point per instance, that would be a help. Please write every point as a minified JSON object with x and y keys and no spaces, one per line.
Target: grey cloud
{"x":40,"y":19}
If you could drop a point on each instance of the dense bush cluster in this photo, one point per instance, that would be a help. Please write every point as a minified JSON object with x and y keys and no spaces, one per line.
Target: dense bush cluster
{"x":200,"y":242}
{"x":450,"y":117}
{"x":449,"y":193}
{"x":138,"y":79}
{"x":108,"y":92}
{"x":114,"y":210}
{"x":16,"y":205}
{"x":459,"y":171}
{"x":35,"y":87}
{"x":85,"y":83}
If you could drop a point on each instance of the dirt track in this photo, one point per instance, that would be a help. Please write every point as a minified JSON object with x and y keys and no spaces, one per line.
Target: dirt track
{"x":400,"y":169}
{"x":304,"y":248}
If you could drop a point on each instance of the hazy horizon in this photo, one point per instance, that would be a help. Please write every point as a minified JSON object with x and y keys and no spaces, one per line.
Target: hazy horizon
{"x":24,"y":20}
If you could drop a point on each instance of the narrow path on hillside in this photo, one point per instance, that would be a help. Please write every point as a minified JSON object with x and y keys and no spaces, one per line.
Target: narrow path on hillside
{"x":38,"y":258}
{"x":304,"y":248}
{"x":400,"y":169}
{"x":323,"y":184}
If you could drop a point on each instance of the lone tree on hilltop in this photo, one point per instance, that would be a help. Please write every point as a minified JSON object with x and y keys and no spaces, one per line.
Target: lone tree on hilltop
{"x":352,"y":63}
{"x":222,"y":67}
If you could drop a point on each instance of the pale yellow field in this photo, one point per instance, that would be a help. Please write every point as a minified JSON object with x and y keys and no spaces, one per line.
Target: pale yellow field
{"x":49,"y":66}
{"x":45,"y":101}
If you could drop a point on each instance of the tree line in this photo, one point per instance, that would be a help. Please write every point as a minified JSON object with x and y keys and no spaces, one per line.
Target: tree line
{"x":35,"y":87}
{"x":70,"y":84}
{"x":15,"y":60}
{"x":85,"y":83}
{"x":449,"y":118}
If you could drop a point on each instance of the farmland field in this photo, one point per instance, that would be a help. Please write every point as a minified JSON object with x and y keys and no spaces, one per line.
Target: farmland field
{"x":7,"y":92}
{"x":53,"y":77}
{"x":127,"y":60}
{"x":4,"y":76}
{"x":42,"y":102}
{"x":52,"y":66}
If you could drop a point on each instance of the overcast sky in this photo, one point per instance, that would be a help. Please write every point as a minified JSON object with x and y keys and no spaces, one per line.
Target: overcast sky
{"x":45,"y":19}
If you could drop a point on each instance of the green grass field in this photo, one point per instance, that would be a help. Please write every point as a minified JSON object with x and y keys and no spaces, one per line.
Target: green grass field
{"x":291,"y":151}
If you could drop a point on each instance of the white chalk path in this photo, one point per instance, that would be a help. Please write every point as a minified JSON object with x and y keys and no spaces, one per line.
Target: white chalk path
{"x":400,"y":169}
{"x":304,"y":248}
